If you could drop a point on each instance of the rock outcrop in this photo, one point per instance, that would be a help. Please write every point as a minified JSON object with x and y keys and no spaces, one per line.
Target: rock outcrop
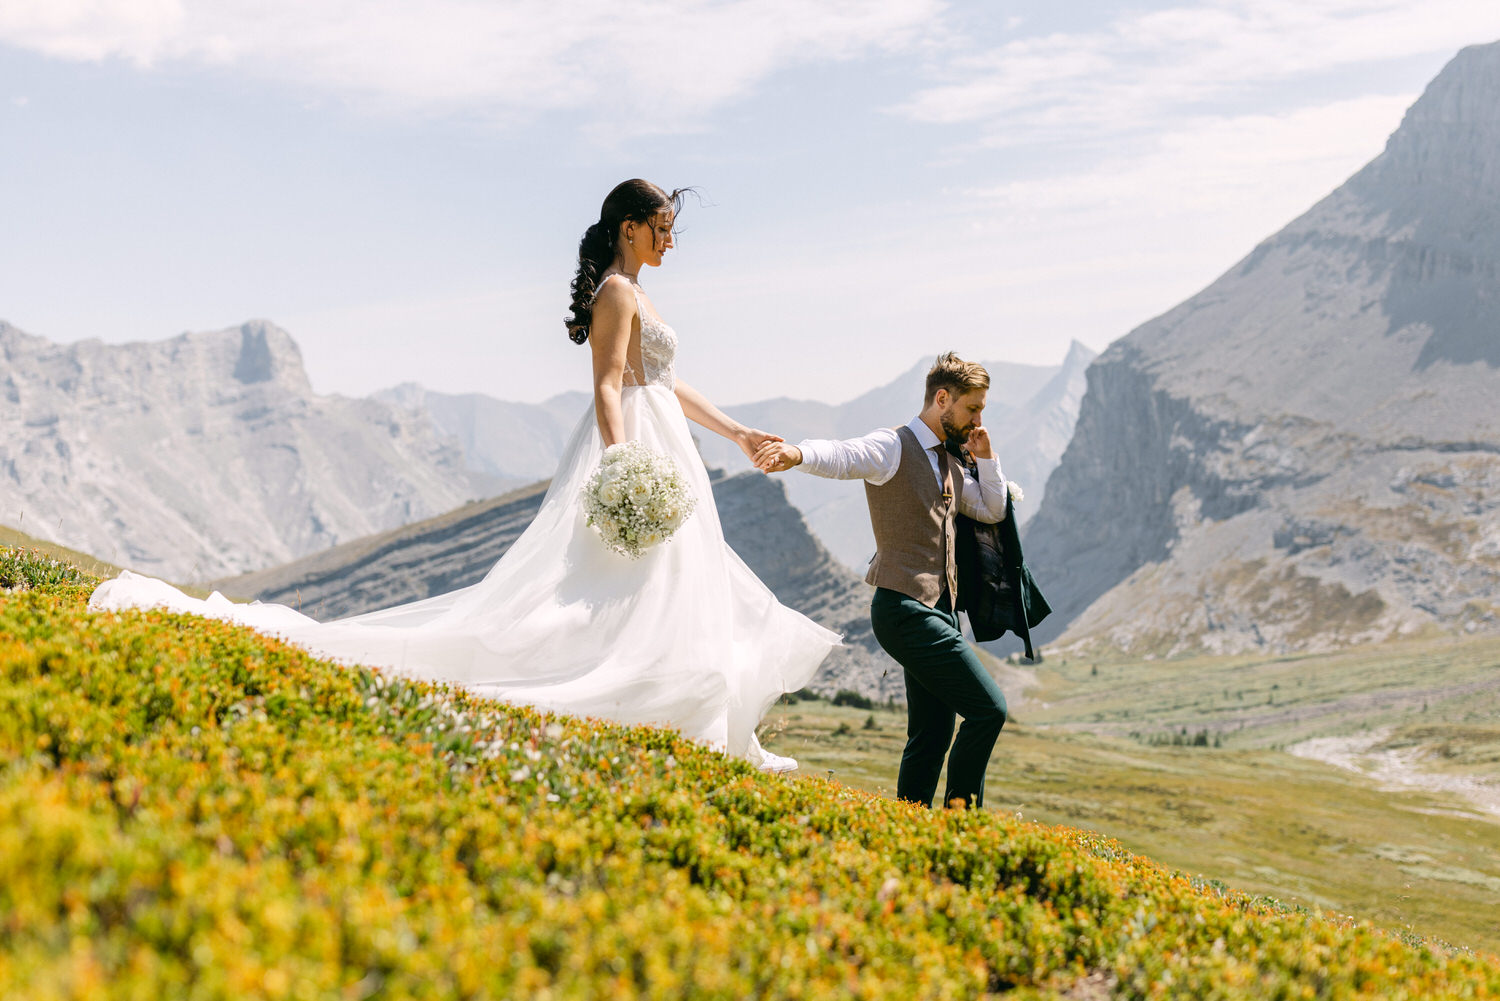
{"x":1307,"y":452}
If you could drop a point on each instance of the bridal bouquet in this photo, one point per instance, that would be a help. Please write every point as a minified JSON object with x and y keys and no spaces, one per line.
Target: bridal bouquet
{"x":637,"y":499}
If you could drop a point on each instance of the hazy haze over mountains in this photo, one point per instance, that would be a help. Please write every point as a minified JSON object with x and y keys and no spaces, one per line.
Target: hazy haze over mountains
{"x":1307,"y":452}
{"x":516,"y":443}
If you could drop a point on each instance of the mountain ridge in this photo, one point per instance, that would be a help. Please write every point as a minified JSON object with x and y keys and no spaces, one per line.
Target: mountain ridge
{"x":206,"y":453}
{"x":1303,"y":454}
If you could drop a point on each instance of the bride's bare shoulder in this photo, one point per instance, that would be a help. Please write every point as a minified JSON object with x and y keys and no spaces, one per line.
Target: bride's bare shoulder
{"x":615,"y":293}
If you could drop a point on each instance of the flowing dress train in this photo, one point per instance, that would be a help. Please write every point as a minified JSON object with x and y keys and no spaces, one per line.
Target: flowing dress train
{"x":686,"y":636}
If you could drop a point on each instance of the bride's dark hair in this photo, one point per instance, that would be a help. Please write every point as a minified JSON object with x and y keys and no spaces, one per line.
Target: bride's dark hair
{"x":630,"y":201}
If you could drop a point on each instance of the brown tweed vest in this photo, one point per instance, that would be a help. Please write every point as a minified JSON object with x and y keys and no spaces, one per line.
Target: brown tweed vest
{"x":913,"y":523}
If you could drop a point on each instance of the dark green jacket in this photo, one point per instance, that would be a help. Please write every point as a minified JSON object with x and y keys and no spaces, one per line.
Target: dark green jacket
{"x":995,"y":585}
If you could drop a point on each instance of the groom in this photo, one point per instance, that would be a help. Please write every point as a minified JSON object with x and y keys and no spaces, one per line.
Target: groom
{"x":914,"y":491}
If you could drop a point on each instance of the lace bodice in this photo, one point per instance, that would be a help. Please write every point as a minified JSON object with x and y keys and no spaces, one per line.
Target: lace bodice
{"x":651,"y":362}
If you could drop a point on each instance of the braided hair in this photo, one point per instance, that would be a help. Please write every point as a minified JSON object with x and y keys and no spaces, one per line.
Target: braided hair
{"x":630,"y":201}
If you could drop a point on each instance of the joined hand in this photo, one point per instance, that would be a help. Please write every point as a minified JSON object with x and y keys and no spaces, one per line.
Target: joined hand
{"x":751,"y":441}
{"x":777,"y":457}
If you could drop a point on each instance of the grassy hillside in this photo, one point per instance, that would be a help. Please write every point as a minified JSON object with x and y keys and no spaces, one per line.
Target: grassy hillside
{"x":1091,"y":745}
{"x":22,"y":544}
{"x":1301,"y":831}
{"x":1275,"y":701}
{"x":189,"y":809}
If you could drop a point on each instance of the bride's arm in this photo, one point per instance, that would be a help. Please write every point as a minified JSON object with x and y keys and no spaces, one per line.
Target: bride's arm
{"x":696,"y":406}
{"x":609,"y":338}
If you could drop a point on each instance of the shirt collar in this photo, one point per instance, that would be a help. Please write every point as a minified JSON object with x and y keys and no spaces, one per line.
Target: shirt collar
{"x":924,"y":434}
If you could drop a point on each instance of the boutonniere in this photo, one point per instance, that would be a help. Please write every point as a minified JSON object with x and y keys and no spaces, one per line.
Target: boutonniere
{"x":1016,"y":496}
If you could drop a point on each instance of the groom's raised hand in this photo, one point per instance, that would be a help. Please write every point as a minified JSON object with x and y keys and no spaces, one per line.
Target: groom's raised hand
{"x":978,"y":443}
{"x":777,"y":457}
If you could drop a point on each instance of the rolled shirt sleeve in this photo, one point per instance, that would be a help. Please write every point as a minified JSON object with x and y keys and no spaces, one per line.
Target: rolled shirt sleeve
{"x":874,"y":457}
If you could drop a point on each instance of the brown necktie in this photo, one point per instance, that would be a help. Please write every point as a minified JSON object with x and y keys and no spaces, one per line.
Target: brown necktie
{"x":950,"y":565}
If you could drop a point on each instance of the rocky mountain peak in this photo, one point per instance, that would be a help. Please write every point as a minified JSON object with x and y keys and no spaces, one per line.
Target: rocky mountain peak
{"x":206,"y":453}
{"x":256,"y":353}
{"x":1079,"y":356}
{"x":1448,"y":144}
{"x":265,"y":350}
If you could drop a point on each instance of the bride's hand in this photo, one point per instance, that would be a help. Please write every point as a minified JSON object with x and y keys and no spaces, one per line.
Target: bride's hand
{"x":750,"y":441}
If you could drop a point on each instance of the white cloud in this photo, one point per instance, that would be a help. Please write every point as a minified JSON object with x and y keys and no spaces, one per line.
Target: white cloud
{"x":661,"y":62}
{"x":1145,"y":68}
{"x":1280,"y":163}
{"x":91,"y":29}
{"x":1091,"y":253}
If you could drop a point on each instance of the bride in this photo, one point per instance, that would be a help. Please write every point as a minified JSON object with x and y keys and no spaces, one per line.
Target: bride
{"x":686,"y":636}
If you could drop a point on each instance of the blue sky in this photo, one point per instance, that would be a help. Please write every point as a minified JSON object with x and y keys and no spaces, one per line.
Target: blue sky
{"x":402,"y":185}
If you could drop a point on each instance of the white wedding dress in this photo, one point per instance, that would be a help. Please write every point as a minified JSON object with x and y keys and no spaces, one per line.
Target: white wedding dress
{"x":685,"y":637}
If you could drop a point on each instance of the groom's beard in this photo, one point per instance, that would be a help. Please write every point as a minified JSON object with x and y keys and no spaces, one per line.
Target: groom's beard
{"x":956,"y":435}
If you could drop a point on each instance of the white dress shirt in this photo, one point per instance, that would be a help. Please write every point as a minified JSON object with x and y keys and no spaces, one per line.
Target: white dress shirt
{"x":876,"y":457}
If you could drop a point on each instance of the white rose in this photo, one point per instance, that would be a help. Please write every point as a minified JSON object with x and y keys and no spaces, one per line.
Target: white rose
{"x":611,"y":493}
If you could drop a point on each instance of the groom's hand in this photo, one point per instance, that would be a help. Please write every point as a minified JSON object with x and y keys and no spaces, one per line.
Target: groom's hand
{"x":978,"y":444}
{"x":777,"y":457}
{"x":752,"y":440}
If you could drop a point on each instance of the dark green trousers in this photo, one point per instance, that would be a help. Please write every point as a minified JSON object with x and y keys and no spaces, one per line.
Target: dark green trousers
{"x":943,"y":679}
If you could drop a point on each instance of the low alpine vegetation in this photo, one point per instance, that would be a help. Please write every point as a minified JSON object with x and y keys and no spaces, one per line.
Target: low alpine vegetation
{"x":190,"y":809}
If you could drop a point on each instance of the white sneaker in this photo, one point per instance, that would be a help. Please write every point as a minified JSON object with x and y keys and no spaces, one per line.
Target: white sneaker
{"x":776,"y":764}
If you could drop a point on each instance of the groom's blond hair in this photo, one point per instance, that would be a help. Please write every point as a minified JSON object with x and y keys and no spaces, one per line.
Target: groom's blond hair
{"x":957,"y":376}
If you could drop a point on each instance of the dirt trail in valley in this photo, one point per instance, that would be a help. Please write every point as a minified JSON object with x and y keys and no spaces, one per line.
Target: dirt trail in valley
{"x":1397,"y":768}
{"x":1227,"y":717}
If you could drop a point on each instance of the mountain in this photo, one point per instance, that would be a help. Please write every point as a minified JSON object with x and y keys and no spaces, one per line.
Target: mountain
{"x":1307,"y":452}
{"x":457,"y":548}
{"x":1031,"y":412}
{"x":517,"y":443}
{"x":206,"y":454}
